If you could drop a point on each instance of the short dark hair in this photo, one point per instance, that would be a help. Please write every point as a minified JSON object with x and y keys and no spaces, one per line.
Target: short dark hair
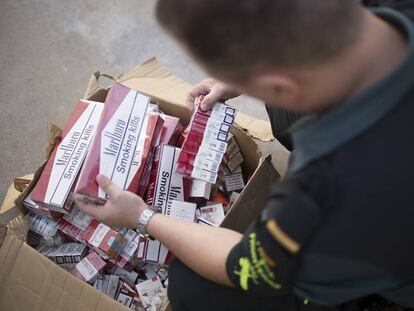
{"x":235,"y":35}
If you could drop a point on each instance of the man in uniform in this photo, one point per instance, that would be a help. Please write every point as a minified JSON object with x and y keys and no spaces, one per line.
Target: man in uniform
{"x":339,"y":225}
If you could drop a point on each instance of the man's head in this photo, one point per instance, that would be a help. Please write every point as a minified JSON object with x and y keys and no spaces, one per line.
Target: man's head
{"x":237,"y":40}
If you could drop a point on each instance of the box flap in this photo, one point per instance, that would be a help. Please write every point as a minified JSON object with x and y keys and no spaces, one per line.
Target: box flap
{"x":253,"y":198}
{"x":158,"y":82}
{"x":13,"y":192}
{"x":32,"y":282}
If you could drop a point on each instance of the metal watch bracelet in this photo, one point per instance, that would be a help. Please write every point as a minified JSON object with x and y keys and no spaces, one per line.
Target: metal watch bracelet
{"x":144,"y":219}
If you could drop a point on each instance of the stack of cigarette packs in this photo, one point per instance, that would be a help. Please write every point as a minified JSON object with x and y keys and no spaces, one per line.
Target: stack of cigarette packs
{"x":192,"y":175}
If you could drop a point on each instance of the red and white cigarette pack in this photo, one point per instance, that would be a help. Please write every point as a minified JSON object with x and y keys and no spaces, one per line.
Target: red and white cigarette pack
{"x":166,"y":185}
{"x":104,"y":238}
{"x":132,"y":241}
{"x":70,"y":230}
{"x":212,"y":214}
{"x":60,"y":173}
{"x":123,"y":142}
{"x":206,"y":142}
{"x":89,"y":267}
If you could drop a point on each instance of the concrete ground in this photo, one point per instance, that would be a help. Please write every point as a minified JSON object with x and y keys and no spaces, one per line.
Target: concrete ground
{"x":49,"y":48}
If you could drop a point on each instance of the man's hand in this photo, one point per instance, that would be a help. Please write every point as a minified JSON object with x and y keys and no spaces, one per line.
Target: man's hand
{"x":213,"y":91}
{"x":121,"y":210}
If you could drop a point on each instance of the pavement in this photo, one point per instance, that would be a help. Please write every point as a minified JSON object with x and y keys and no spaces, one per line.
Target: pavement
{"x":48,"y":50}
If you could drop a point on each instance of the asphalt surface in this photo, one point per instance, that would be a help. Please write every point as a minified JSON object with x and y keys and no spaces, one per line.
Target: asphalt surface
{"x":48,"y":50}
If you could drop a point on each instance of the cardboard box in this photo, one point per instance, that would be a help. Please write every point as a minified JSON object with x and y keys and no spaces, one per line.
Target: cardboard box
{"x":29,"y":279}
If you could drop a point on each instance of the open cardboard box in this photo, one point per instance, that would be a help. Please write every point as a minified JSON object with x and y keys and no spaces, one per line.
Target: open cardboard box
{"x":30,"y":281}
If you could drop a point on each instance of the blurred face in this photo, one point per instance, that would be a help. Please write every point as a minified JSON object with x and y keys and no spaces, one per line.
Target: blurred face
{"x":275,"y":88}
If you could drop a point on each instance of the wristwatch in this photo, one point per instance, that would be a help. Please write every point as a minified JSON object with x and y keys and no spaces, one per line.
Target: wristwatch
{"x":144,"y":219}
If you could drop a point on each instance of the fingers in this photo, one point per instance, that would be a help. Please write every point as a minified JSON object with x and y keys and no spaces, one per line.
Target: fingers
{"x":85,"y":205}
{"x":108,"y":186}
{"x":211,"y":99}
{"x":203,"y":88}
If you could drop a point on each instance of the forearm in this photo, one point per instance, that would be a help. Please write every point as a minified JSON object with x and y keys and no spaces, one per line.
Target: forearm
{"x":203,"y":249}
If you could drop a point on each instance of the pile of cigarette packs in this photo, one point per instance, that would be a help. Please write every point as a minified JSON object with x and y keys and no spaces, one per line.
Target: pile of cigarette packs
{"x":193,"y":174}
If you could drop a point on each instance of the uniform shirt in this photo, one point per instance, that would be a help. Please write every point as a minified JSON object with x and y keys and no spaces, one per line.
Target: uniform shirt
{"x":340,"y":225}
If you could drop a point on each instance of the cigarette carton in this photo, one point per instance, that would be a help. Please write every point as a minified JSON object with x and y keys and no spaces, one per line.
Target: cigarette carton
{"x":171,"y":130}
{"x":59,"y":175}
{"x":166,"y":185}
{"x":123,"y":142}
{"x":89,"y":267}
{"x":206,"y":142}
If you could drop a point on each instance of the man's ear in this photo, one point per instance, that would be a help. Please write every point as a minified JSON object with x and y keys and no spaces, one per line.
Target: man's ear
{"x":283,"y":88}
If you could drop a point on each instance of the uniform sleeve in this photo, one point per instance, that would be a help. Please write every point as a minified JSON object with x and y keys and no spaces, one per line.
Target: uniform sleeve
{"x":267,"y":259}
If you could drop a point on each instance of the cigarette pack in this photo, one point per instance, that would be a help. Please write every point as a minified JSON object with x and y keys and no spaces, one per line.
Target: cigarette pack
{"x":200,"y":189}
{"x":184,"y":211}
{"x":130,"y":277}
{"x":123,"y":141}
{"x":89,"y":267}
{"x":128,"y":296}
{"x":70,"y":230}
{"x":206,"y":142}
{"x":235,"y":162}
{"x":233,"y":198}
{"x":232,"y":148}
{"x":68,"y":253}
{"x":104,"y":238}
{"x":166,"y":185}
{"x":234,"y":181}
{"x":142,"y":245}
{"x":108,"y":284}
{"x":132,"y":241}
{"x":78,"y":218}
{"x":60,"y":173}
{"x":149,"y":290}
{"x":44,"y":226}
{"x":212,"y":214}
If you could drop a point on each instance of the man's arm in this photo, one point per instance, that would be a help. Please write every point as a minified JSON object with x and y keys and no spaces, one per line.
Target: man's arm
{"x":263,"y":261}
{"x":203,"y":249}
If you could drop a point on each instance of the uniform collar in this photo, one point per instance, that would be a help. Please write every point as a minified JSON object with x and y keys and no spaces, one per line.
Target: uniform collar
{"x":318,"y":136}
